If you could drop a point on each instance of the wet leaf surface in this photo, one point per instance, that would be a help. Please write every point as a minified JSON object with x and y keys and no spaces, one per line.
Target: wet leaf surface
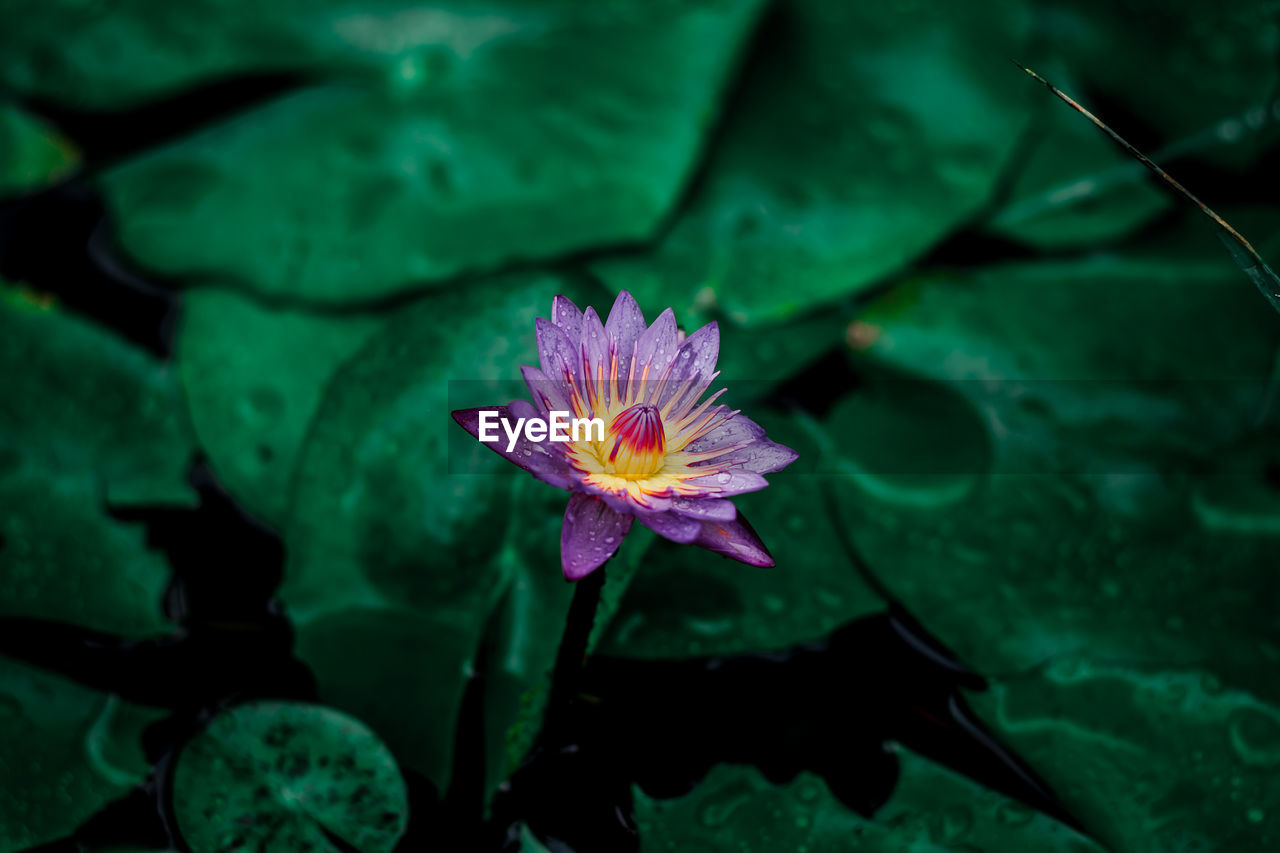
{"x":86,"y":420}
{"x":80,"y":400}
{"x":931,"y":809}
{"x":1224,"y":63}
{"x":379,"y":555}
{"x":1152,"y":757}
{"x":1213,"y":102}
{"x":856,"y":151}
{"x":1036,"y":410}
{"x":273,"y":775}
{"x":1070,"y":561}
{"x":530,"y":622}
{"x":1075,"y":188}
{"x":75,"y":750}
{"x":443,"y":170}
{"x":32,"y":154}
{"x":254,"y":377}
{"x":688,"y":602}
{"x":62,"y":557}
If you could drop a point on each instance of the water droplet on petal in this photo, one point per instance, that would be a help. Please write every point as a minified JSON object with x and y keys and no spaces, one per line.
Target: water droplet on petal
{"x":608,"y":539}
{"x":723,"y":477}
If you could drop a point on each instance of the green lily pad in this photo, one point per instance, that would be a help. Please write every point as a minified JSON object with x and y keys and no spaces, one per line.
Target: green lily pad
{"x":81,"y":400}
{"x":67,"y":52}
{"x":531,"y":621}
{"x":287,"y":776}
{"x":63,"y":558}
{"x":1077,"y":187}
{"x":1239,"y":493}
{"x":1097,"y":557}
{"x":867,"y":133}
{"x":407,"y":533}
{"x":1223,"y":66}
{"x":424,"y":660}
{"x":65,"y":752}
{"x":1150,"y":758}
{"x":32,"y":154}
{"x":384,"y":490}
{"x":1102,"y":384}
{"x":70,"y":53}
{"x":931,"y":809}
{"x":689,"y":602}
{"x":754,"y":360}
{"x":254,"y":376}
{"x":87,"y":421}
{"x":448,"y":171}
{"x":1208,"y":101}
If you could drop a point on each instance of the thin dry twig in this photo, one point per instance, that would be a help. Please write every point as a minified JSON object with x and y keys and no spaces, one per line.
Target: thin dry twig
{"x":1241,"y":249}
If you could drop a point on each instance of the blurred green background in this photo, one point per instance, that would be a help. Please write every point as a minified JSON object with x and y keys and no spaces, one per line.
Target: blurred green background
{"x":1030,"y":385}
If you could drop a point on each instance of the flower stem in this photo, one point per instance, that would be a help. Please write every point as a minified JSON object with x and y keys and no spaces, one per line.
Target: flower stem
{"x":573,"y":647}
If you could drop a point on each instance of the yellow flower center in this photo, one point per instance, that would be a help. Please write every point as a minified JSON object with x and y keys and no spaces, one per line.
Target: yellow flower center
{"x":635,"y":445}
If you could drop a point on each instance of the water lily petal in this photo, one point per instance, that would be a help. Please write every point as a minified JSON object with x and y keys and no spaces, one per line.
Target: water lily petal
{"x":761,"y":456}
{"x":705,"y":509}
{"x":657,"y":348}
{"x":557,"y":355}
{"x":594,"y":346}
{"x":730,"y":482}
{"x":624,"y":327}
{"x":695,"y":362}
{"x":591,"y":534}
{"x":675,"y":527}
{"x":735,"y":430}
{"x":567,"y":316}
{"x":679,"y":485}
{"x":625,"y":503}
{"x":523,"y":409}
{"x":734,"y":539}
{"x":541,"y":459}
{"x":547,"y":394}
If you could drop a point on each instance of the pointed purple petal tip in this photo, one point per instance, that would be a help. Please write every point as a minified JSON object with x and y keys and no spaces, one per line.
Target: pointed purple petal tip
{"x":539,"y":459}
{"x":735,"y":539}
{"x":591,"y":534}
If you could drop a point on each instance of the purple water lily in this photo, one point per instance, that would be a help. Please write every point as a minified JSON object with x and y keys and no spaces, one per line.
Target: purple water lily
{"x":665,"y":456}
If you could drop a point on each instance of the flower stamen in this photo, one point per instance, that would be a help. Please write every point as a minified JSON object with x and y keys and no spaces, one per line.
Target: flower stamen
{"x":635,"y":445}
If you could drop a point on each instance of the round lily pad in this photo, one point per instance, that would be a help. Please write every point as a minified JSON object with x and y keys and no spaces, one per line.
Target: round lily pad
{"x":286,"y":776}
